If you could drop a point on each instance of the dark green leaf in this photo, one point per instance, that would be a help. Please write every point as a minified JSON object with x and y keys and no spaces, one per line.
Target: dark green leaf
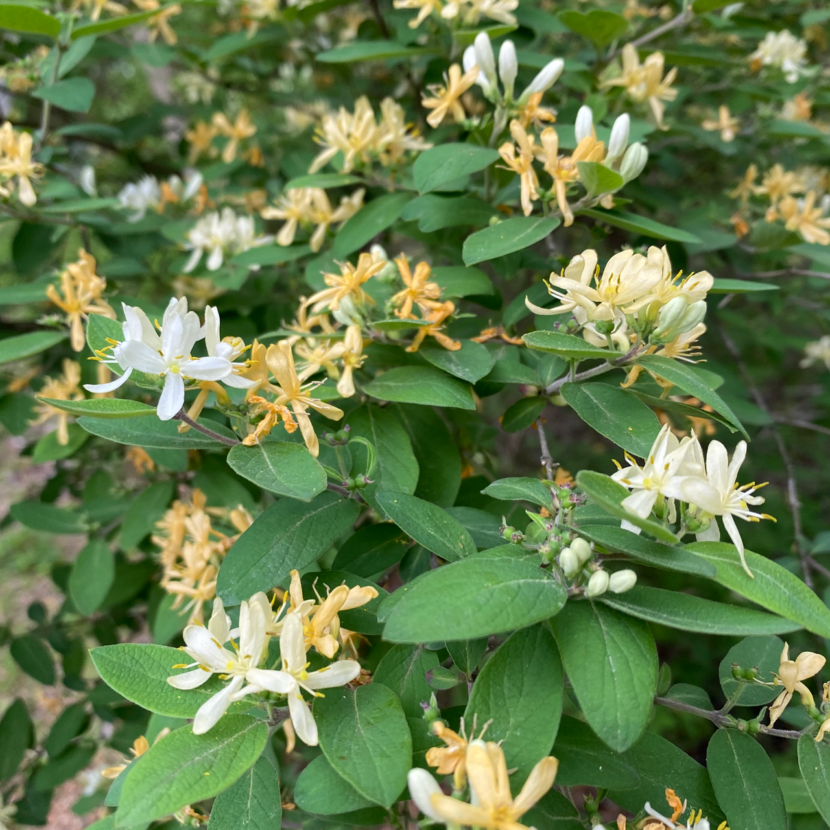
{"x":372,"y":550}
{"x":519,"y":489}
{"x":320,"y":790}
{"x":403,"y":669}
{"x":522,"y":414}
{"x":761,"y":653}
{"x":252,"y":803}
{"x":92,"y":576}
{"x":814,"y":763}
{"x":146,"y":509}
{"x":31,"y":343}
{"x":16,"y":735}
{"x":368,"y":222}
{"x":568,"y":346}
{"x":280,"y":467}
{"x":599,"y":26}
{"x":102,"y":407}
{"x":72,"y":94}
{"x":447,"y":163}
{"x":471,"y":362}
{"x":511,"y":235}
{"x":641,"y":225}
{"x":150,"y":432}
{"x":422,"y":385}
{"x":373,"y":50}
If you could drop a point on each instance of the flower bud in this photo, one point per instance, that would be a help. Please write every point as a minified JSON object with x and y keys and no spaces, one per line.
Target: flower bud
{"x":634,"y":161}
{"x":469,"y":61}
{"x":582,"y":550}
{"x":693,"y":316}
{"x":508,"y":67}
{"x":545,"y":78}
{"x":86,"y":179}
{"x":619,"y":137}
{"x":485,"y":58}
{"x":569,"y":563}
{"x":597,"y":584}
{"x":622,"y":581}
{"x":670,"y":316}
{"x":584,"y":123}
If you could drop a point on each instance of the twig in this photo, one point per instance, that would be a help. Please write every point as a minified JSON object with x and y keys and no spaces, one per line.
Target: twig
{"x":336,"y":488}
{"x":181,"y":415}
{"x":803,"y":425}
{"x":681,"y":20}
{"x":785,"y":272}
{"x":792,"y":487}
{"x":47,"y":105}
{"x":720,"y":719}
{"x":814,"y":563}
{"x":546,"y":459}
{"x":384,"y":29}
{"x":588,"y":373}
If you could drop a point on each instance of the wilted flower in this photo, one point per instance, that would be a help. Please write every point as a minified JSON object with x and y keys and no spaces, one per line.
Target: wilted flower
{"x":790,"y":675}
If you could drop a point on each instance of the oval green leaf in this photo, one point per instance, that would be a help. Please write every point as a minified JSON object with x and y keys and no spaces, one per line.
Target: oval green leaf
{"x":511,"y":235}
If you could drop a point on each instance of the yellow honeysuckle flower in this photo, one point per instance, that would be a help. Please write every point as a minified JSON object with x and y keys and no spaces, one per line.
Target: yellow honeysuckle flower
{"x":241,"y":129}
{"x":746,"y":187}
{"x":348,"y":283}
{"x":445,"y":98}
{"x":315,"y":355}
{"x":645,"y":82}
{"x":160,"y":23}
{"x":800,"y":215}
{"x":272,"y":416}
{"x":790,"y":675}
{"x":63,"y":388}
{"x":779,"y":183}
{"x":280,"y":360}
{"x":139,"y":747}
{"x":452,"y":758}
{"x":353,"y":358}
{"x":497,"y":809}
{"x":436,"y":318}
{"x":825,"y":724}
{"x":16,"y":161}
{"x":521,"y":163}
{"x":425,"y":9}
{"x":419,"y":290}
{"x":531,"y":112}
{"x":726,"y":124}
{"x":200,"y":139}
{"x":356,"y":136}
{"x":396,"y":137}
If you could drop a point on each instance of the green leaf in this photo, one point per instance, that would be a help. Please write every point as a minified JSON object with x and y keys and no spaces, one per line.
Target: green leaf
{"x":745,"y":782}
{"x":16,"y":736}
{"x":145,"y":510}
{"x":252,"y":803}
{"x":34,"y":658}
{"x":814,"y":763}
{"x":472,"y":598}
{"x":568,"y":346}
{"x":511,"y":371}
{"x":796,"y":795}
{"x":280,"y":467}
{"x":641,"y":225}
{"x":467,"y":654}
{"x":655,"y":554}
{"x":511,"y":235}
{"x":324,"y":180}
{"x":773,"y":588}
{"x":422,"y":385}
{"x":403,"y":669}
{"x":184,"y":768}
{"x":447,"y":163}
{"x":457,"y":281}
{"x":61,"y":769}
{"x":690,"y":613}
{"x":621,"y":418}
{"x":429,"y":525}
{"x":150,"y":432}
{"x":102,"y":407}
{"x":92,"y":576}
{"x":725,"y":286}
{"x":238,"y":42}
{"x":113,"y":24}
{"x":139,"y":672}
{"x":288,"y":535}
{"x":72,"y":94}
{"x":519,"y":489}
{"x":47,"y":518}
{"x":690,"y":381}
{"x":616,"y":686}
{"x":556,"y":811}
{"x":471,"y":362}
{"x":373,"y":50}
{"x":522,"y":414}
{"x":365,"y":737}
{"x":31,"y":343}
{"x":434,"y":212}
{"x":598,"y":178}
{"x":319,"y":789}
{"x":762,"y":653}
{"x":608,"y":494}
{"x":70,"y":723}
{"x":23,"y":18}
{"x":531,"y":656}
{"x":34,"y":292}
{"x":372,"y":550}
{"x":49,"y":448}
{"x":584,"y":760}
{"x":372,"y":219}
{"x":599,"y":26}
{"x":661,"y":765}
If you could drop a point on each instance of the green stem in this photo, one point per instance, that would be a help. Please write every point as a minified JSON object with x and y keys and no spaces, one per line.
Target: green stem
{"x":47,"y":106}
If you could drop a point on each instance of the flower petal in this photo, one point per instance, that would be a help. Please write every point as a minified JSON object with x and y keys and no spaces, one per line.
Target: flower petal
{"x":302,"y":719}
{"x":337,"y":674}
{"x":189,"y":679}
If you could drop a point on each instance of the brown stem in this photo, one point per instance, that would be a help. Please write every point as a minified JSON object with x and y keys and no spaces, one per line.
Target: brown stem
{"x":181,"y":415}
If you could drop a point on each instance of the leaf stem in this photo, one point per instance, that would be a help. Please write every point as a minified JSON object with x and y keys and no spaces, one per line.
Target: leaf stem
{"x":47,"y":105}
{"x":181,"y":415}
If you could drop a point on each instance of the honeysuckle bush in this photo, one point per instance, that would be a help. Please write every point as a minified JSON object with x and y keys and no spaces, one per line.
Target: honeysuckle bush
{"x":404,"y":377}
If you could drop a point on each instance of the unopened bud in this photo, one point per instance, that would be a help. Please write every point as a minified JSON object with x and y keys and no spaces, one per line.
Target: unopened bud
{"x":693,"y":316}
{"x":431,"y":711}
{"x":604,"y":326}
{"x":670,"y":316}
{"x":622,"y":581}
{"x":634,"y":161}
{"x":569,"y":563}
{"x":584,"y":123}
{"x":508,"y":67}
{"x":485,"y":58}
{"x":598,"y":584}
{"x":619,"y":137}
{"x":545,"y":78}
{"x":582,"y":551}
{"x":737,"y":672}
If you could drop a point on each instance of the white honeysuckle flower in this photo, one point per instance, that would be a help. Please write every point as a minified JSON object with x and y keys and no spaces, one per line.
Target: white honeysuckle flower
{"x":508,"y":67}
{"x":784,"y":50}
{"x":619,"y":137}
{"x":817,"y":351}
{"x":139,"y":197}
{"x":221,"y":234}
{"x":660,"y":475}
{"x":718,"y":494}
{"x":294,"y":676}
{"x":468,"y":61}
{"x":545,"y":78}
{"x":484,"y":57}
{"x":228,"y":349}
{"x":422,"y":786}
{"x":206,"y":646}
{"x":185,"y":190}
{"x":173,"y":361}
{"x":584,"y":125}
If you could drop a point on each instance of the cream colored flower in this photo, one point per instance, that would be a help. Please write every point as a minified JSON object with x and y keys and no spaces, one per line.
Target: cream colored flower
{"x":419,"y":290}
{"x":241,"y":129}
{"x":348,"y":283}
{"x":16,"y":162}
{"x":726,"y":124}
{"x":353,"y":358}
{"x":521,"y":163}
{"x":645,"y":82}
{"x":801,"y":216}
{"x":784,"y":50}
{"x":790,"y":675}
{"x":445,"y":100}
{"x":817,"y":352}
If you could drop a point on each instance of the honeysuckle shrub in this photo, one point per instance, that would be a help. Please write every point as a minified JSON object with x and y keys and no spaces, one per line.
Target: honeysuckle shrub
{"x":402,"y":378}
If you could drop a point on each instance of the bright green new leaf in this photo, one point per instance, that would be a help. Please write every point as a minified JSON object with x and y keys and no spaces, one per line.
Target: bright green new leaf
{"x":24,"y":18}
{"x":422,"y":385}
{"x":598,"y":178}
{"x":280,"y":467}
{"x":113,"y":24}
{"x":506,"y":237}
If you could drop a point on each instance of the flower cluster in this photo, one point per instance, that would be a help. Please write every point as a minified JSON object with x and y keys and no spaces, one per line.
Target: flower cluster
{"x":637,"y":306}
{"x":361,"y":138}
{"x":676,"y":471}
{"x":221,"y":234}
{"x":16,"y":165}
{"x":147,"y":194}
{"x":300,"y":625}
{"x":464,"y":13}
{"x":781,"y":50}
{"x":201,"y":138}
{"x":310,"y":206}
{"x":656,"y":821}
{"x":191,"y":550}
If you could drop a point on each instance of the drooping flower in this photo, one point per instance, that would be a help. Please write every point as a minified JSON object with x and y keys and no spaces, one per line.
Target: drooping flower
{"x":425,"y":9}
{"x":353,"y":358}
{"x":802,"y":216}
{"x":435,"y":324}
{"x":159,"y":24}
{"x":790,"y":675}
{"x":16,"y":162}
{"x":354,"y":135}
{"x":445,"y":100}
